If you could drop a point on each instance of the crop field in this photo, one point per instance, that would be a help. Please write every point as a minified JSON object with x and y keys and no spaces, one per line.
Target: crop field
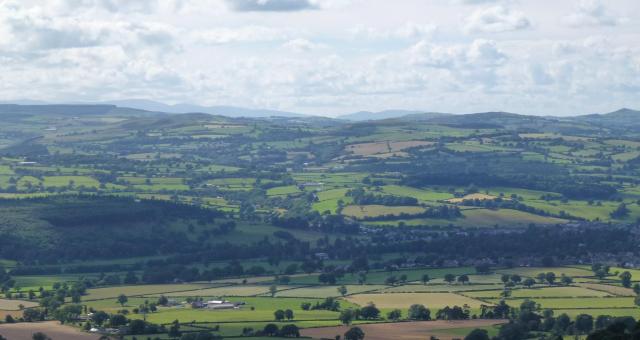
{"x":577,"y":303}
{"x":406,"y":330}
{"x":541,"y":293}
{"x":10,"y":305}
{"x":362,"y":211}
{"x":441,"y":288}
{"x":326,"y":291}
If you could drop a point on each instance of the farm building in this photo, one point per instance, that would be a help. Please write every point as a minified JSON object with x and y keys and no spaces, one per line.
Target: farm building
{"x":215,"y":304}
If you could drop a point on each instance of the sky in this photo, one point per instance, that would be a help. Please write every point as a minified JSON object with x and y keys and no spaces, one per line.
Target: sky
{"x":327,"y":57}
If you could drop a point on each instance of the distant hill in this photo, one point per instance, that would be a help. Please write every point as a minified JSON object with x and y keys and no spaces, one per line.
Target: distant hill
{"x":623,"y":118}
{"x":229,"y":111}
{"x":368,"y":115}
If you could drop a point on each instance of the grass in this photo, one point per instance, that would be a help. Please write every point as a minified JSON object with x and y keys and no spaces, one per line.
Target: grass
{"x":223,"y":291}
{"x":282,"y":191}
{"x":575,"y":303}
{"x":379,"y":277}
{"x":78,"y":181}
{"x":137,"y":290}
{"x":263,"y":308}
{"x":405,"y":300}
{"x":533,"y":271}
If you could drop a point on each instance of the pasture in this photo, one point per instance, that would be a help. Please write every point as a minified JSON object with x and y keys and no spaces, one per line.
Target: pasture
{"x":405,"y":300}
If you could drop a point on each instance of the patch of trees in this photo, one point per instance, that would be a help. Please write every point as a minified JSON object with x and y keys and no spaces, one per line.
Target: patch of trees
{"x":361,"y":197}
{"x":440,"y":212}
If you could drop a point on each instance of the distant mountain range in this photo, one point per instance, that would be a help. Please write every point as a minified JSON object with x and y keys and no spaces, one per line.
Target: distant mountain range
{"x":623,"y":118}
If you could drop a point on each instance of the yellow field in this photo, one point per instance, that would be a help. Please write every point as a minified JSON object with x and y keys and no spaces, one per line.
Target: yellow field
{"x":477,"y":196}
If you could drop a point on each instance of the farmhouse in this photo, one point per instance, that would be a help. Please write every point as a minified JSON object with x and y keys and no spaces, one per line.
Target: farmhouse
{"x":215,"y":304}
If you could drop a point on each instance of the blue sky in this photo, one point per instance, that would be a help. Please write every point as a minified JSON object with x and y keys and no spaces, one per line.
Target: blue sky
{"x":327,"y":57}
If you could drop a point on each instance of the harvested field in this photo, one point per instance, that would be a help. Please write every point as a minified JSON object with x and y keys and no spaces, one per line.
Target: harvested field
{"x":374,"y":210}
{"x":6,"y":304}
{"x":481,"y":197}
{"x":402,"y":330}
{"x":615,"y":290}
{"x":53,"y":329}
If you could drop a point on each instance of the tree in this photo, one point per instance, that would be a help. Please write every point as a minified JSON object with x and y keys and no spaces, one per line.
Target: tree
{"x":463,"y":279}
{"x":625,"y":278}
{"x":550,"y":277}
{"x":40,"y":336}
{"x":515,"y":278}
{"x":342,"y":290}
{"x":584,"y":323}
{"x":288,"y":314}
{"x":449,"y":278}
{"x":273,"y":290}
{"x":279,"y":315}
{"x":621,"y":211}
{"x":505,"y":278}
{"x":419,"y":312}
{"x":347,"y":316}
{"x":529,"y":282}
{"x":174,"y":330}
{"x":477,"y":334}
{"x":354,"y":333}
{"x":290,"y":331}
{"x":162,"y":300}
{"x":636,"y":288}
{"x":566,"y":280}
{"x":425,"y":279}
{"x":122,"y":299}
{"x":270,"y":329}
{"x":541,"y":277}
{"x":370,"y":312}
{"x":394,"y":315}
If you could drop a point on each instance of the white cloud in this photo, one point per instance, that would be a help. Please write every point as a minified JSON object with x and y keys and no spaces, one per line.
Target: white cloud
{"x":302,"y":45}
{"x":408,"y":30}
{"x":496,"y":19}
{"x":592,"y":13}
{"x":224,"y":35}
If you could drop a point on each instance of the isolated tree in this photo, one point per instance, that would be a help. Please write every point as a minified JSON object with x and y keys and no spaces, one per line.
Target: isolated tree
{"x":122,"y":299}
{"x":625,"y":279}
{"x":515,"y":278}
{"x":270,"y":329}
{"x":541,"y":277}
{"x":354,"y":333}
{"x":279,"y":315}
{"x":505,"y":278}
{"x":288,"y":314}
{"x":425,"y":279}
{"x":566,"y":280}
{"x":342,"y":290}
{"x":463,"y":279}
{"x":347,"y":316}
